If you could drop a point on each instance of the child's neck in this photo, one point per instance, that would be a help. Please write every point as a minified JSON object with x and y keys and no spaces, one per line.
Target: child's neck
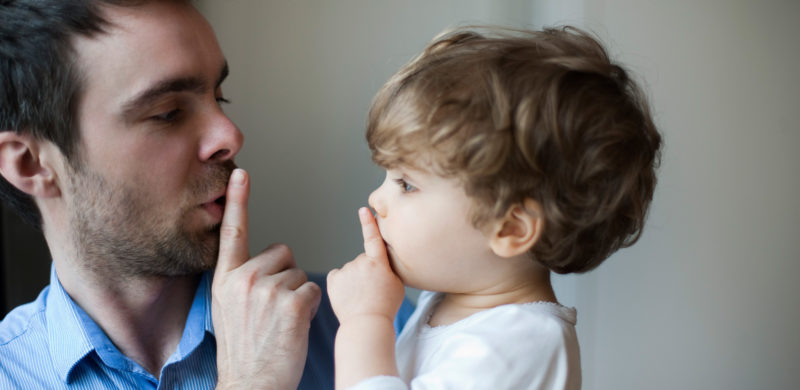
{"x":457,"y":306}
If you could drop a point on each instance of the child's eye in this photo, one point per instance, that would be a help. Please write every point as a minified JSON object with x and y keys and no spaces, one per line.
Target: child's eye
{"x":222,"y":100}
{"x":404,"y":186}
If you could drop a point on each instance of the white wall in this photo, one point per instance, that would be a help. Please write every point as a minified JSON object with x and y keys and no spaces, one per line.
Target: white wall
{"x":705,"y":300}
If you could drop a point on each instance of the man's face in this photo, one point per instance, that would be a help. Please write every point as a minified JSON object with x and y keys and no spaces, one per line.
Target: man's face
{"x":146,"y":186}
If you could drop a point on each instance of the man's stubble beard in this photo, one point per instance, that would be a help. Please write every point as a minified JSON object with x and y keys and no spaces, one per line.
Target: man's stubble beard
{"x":118,"y":235}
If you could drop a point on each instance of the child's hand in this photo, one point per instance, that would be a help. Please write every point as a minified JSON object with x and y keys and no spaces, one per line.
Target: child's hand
{"x":367,"y":285}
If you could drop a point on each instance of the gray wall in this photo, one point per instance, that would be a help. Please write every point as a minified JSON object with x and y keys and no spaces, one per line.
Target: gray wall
{"x":303,"y":74}
{"x":706,"y":299}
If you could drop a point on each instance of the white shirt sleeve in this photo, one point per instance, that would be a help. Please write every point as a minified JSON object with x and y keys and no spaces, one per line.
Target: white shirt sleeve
{"x":380,"y":383}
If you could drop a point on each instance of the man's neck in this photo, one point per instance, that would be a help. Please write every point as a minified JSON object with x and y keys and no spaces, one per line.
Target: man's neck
{"x":143,"y":317}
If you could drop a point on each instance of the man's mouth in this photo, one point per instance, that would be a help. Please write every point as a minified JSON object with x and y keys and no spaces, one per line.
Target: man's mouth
{"x":220,"y":201}
{"x":215,"y":207}
{"x":216,"y":199}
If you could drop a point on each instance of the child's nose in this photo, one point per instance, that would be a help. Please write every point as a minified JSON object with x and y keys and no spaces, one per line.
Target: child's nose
{"x":375,"y":201}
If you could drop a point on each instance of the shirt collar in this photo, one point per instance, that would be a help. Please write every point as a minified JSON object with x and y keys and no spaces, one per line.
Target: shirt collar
{"x":73,"y":335}
{"x":198,"y":322}
{"x":68,"y":341}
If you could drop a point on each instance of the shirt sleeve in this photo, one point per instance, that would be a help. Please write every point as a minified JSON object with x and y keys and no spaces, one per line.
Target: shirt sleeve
{"x":380,"y":383}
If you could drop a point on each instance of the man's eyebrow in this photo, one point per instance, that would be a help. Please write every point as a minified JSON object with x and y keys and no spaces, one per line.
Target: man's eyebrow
{"x":180,"y":84}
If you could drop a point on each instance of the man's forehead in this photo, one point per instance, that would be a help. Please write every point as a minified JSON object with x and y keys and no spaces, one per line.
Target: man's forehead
{"x":147,"y":44}
{"x":145,"y":21}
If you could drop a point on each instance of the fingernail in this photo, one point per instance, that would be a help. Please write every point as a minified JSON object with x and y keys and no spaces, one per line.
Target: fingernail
{"x":238,"y":177}
{"x":363,"y":214}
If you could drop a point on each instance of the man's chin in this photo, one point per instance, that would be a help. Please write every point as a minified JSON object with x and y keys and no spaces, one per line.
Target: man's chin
{"x":214,"y":230}
{"x":193,"y":254}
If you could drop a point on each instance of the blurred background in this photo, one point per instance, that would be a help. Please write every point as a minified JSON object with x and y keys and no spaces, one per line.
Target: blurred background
{"x":707,"y":299}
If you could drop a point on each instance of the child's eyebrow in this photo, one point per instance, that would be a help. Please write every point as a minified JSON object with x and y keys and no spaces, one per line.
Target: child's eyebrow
{"x":409,"y":177}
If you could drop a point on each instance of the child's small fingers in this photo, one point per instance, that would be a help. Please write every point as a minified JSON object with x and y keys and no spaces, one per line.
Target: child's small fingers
{"x":373,"y":241}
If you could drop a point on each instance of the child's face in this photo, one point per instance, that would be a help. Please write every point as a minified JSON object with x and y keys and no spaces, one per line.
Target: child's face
{"x":432,"y":245}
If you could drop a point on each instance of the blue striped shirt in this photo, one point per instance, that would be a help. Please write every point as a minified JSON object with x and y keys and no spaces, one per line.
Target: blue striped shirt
{"x":52,"y":343}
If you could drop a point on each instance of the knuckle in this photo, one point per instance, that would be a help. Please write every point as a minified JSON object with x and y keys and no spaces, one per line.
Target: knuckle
{"x":231,"y":232}
{"x":280,"y":248}
{"x":299,"y":275}
{"x":316,"y":290}
{"x":281,"y":253}
{"x":296,"y":305}
{"x":374,"y":241}
{"x":249,"y":277}
{"x":243,"y":282}
{"x":332,"y":278}
{"x":268,"y":290}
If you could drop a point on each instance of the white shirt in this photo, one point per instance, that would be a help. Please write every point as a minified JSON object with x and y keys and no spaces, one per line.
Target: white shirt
{"x":516,"y":346}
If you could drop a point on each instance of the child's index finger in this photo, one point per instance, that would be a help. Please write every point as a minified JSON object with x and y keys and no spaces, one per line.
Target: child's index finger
{"x":233,"y":249}
{"x":373,"y":241}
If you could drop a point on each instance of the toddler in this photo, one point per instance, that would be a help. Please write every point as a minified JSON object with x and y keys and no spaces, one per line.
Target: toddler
{"x":508,"y":155}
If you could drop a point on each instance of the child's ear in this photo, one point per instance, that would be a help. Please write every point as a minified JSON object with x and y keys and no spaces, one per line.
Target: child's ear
{"x":517,"y":231}
{"x":26,"y":163}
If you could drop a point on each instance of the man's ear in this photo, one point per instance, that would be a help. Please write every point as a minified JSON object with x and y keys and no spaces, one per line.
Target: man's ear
{"x":517,"y":231}
{"x":26,"y":163}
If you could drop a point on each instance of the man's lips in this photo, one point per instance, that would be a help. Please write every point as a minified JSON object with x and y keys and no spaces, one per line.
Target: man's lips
{"x":215,"y":206}
{"x":217,"y":196}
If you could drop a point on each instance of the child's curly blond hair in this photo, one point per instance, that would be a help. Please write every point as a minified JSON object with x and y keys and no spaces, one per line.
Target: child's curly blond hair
{"x":520,"y":114}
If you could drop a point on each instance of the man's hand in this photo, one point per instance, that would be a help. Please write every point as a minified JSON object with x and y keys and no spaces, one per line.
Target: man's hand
{"x":262,"y":306}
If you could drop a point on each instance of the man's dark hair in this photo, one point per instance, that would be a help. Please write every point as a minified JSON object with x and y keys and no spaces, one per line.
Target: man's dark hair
{"x":40,"y":80}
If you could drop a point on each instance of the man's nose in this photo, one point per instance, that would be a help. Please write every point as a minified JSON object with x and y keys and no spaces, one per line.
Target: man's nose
{"x":222,"y":139}
{"x":376,"y":201}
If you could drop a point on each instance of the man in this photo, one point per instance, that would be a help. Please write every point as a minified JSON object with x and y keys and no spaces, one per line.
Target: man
{"x":113,"y":142}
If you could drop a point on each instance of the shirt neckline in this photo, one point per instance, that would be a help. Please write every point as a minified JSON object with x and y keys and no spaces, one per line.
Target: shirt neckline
{"x":73,"y":335}
{"x":564,"y":313}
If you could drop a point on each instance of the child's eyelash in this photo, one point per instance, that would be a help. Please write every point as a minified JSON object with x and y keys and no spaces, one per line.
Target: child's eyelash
{"x":404,"y":186}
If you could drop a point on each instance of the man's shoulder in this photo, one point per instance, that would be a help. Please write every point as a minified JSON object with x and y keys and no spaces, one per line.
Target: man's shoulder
{"x":23,"y":322}
{"x":318,"y":372}
{"x":23,"y":340}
